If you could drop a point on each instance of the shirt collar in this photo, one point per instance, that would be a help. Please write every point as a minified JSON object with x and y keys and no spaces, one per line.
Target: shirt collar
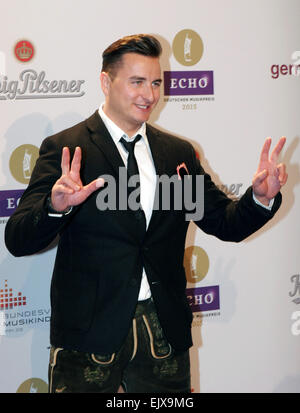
{"x":117,"y":133}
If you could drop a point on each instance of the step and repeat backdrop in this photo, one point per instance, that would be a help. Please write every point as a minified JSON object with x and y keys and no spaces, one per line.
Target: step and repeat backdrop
{"x":231,"y":78}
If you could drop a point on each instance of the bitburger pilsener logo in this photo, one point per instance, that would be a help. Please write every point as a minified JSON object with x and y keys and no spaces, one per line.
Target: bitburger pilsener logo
{"x":33,"y":84}
{"x":24,"y":51}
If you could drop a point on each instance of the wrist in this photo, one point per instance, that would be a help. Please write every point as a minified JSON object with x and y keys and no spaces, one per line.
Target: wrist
{"x":54,"y":212}
{"x":263,"y":200}
{"x":268,"y":206}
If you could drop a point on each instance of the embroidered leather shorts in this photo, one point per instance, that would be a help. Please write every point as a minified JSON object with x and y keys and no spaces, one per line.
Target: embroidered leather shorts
{"x":146,"y":363}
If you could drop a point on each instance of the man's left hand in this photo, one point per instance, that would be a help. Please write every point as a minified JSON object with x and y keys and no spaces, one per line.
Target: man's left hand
{"x":269,"y":177}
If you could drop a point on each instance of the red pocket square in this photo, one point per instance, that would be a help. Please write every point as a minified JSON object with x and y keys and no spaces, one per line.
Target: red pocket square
{"x":180,"y":170}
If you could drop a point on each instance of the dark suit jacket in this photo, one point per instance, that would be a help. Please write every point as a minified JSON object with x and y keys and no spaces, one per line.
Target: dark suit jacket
{"x":101,"y":254}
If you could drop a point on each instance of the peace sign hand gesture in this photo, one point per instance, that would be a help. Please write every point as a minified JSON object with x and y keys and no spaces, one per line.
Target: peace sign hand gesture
{"x":68,"y":190}
{"x":269,"y":177}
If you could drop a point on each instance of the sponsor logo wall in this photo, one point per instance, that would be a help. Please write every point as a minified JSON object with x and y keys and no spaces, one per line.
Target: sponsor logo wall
{"x":223,"y":89}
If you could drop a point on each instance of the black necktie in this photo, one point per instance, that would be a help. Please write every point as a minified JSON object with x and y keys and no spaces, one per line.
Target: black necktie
{"x":132,"y":169}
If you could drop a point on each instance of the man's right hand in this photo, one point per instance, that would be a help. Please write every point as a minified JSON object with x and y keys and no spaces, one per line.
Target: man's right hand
{"x":68,"y":189}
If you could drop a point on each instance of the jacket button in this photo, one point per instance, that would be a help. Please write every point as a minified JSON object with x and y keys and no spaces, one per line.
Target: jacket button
{"x":133,"y":282}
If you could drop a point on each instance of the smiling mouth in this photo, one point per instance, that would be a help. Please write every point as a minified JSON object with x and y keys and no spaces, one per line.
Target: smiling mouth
{"x":143,"y":107}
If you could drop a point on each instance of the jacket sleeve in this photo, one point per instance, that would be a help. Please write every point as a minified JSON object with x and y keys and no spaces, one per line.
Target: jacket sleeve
{"x":30,"y":229}
{"x":227,"y":219}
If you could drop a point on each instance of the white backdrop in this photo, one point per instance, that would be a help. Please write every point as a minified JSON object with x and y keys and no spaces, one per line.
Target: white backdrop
{"x":251,"y":341}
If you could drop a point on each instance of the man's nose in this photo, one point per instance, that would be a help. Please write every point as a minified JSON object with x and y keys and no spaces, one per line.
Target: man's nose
{"x":148,"y":93}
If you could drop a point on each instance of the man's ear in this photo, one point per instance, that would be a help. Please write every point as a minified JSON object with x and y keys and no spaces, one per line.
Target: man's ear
{"x":105,"y":82}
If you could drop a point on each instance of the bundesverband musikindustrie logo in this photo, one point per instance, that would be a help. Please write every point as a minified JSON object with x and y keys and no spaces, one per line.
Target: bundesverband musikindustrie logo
{"x":18,"y":313}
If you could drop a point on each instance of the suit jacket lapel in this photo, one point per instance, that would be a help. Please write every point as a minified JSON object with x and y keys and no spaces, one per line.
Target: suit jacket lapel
{"x":159,"y":156}
{"x":157,"y":150}
{"x":101,"y":137}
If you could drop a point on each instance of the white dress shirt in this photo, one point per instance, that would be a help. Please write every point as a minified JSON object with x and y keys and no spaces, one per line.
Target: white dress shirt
{"x":147,"y":175}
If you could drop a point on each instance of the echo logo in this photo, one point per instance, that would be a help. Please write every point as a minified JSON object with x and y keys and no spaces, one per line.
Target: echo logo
{"x":22,"y":162}
{"x":204,"y":298}
{"x":9,"y":201}
{"x":188,"y":83}
{"x":196,"y":264}
{"x":33,"y":385}
{"x":187,"y":47}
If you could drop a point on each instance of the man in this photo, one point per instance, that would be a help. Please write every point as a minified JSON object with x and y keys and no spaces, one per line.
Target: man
{"x":119,"y":309}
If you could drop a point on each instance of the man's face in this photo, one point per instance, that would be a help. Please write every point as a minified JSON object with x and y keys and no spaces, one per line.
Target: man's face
{"x":133,"y":92}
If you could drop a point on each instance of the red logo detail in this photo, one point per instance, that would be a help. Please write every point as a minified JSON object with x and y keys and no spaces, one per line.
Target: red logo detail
{"x":7,"y":299}
{"x":24,"y":51}
{"x":180,"y":167}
